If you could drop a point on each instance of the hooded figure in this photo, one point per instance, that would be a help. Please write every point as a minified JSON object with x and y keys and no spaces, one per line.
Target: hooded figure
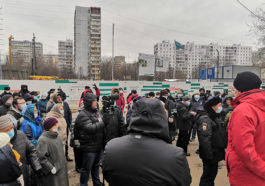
{"x":144,"y":156}
{"x":31,"y":125}
{"x":7,"y":103}
{"x":58,"y":113}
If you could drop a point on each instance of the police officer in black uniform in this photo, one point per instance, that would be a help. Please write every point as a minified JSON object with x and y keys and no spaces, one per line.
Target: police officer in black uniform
{"x":184,"y":122}
{"x":212,"y":139}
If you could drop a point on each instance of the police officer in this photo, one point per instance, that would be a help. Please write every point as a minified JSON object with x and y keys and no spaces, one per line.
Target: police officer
{"x":184,"y":123}
{"x":170,"y":107}
{"x":212,"y":138}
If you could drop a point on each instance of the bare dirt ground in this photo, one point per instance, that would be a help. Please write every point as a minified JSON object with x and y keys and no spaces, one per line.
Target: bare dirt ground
{"x":195,"y":164}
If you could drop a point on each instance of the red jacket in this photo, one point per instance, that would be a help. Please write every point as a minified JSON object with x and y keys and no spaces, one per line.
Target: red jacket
{"x":121,"y":102}
{"x":86,"y":91}
{"x":245,"y":156}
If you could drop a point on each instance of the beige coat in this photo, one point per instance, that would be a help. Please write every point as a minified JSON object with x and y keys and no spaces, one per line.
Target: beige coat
{"x":55,"y":113}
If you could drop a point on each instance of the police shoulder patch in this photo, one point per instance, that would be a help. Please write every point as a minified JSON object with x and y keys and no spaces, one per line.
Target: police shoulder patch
{"x":204,"y":126}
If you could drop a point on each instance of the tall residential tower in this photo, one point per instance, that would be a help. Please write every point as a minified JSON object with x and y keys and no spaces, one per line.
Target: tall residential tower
{"x":87,"y":42}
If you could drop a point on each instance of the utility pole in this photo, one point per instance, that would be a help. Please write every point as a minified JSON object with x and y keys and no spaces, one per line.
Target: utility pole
{"x":217,"y":64}
{"x":112,"y":67}
{"x":34,"y":61}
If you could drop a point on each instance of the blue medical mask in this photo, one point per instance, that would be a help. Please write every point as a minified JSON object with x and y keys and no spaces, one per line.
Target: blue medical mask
{"x":11,"y":134}
{"x":180,"y":95}
{"x":219,"y":110}
{"x":197,"y":97}
{"x":188,"y":103}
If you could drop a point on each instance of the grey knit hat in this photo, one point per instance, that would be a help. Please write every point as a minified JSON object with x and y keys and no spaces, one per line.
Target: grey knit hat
{"x":5,"y":122}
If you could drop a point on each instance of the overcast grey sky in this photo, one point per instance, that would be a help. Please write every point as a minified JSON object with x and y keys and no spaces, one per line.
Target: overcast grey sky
{"x":139,"y":23}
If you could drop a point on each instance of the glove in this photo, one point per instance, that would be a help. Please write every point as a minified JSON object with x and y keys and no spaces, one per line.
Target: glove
{"x":53,"y":171}
{"x":95,"y":86}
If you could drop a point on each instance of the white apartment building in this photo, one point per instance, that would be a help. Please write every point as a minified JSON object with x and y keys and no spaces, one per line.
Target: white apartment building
{"x":22,"y":50}
{"x":188,"y":57}
{"x":65,"y":56}
{"x":87,"y":42}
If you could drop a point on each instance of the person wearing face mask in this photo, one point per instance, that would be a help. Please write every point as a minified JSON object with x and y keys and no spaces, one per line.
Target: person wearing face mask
{"x":10,"y":170}
{"x":58,"y":113}
{"x":212,"y":138}
{"x":196,"y":102}
{"x":51,"y":154}
{"x":24,"y":90}
{"x":57,"y":98}
{"x":184,"y":122}
{"x":31,"y":125}
{"x":6,"y":92}
{"x":7,"y":103}
{"x":42,"y":104}
{"x":28,"y":98}
{"x":23,"y":146}
{"x":179,"y":97}
{"x":17,"y":106}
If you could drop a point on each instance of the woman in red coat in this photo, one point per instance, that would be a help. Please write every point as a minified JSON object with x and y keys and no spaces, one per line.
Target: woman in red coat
{"x":245,"y":156}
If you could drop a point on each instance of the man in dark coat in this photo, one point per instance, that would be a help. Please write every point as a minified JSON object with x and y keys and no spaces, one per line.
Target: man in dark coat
{"x":7,"y":102}
{"x":17,"y":106}
{"x":89,"y":131}
{"x":24,"y":90}
{"x":144,"y":156}
{"x":62,"y":93}
{"x":6,"y":92}
{"x":170,"y":107}
{"x":184,"y":122}
{"x":112,"y":117}
{"x":212,"y":138}
{"x":197,"y":101}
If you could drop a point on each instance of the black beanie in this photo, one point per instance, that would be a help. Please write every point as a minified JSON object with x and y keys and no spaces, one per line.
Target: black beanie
{"x":246,"y":81}
{"x":212,"y":101}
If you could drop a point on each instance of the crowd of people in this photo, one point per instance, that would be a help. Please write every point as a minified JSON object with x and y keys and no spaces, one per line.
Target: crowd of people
{"x":137,"y":140}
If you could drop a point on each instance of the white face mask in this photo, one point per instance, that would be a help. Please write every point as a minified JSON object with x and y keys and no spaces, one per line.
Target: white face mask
{"x":29,"y":102}
{"x":219,"y":110}
{"x":36,"y":115}
{"x":62,"y":112}
{"x":55,"y":130}
{"x":22,"y":107}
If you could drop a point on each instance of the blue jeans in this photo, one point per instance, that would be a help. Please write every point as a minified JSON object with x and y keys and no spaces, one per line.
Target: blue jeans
{"x":90,"y":163}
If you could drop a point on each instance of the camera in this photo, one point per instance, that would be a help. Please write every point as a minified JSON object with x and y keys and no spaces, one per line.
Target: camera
{"x":108,"y":101}
{"x":174,"y":112}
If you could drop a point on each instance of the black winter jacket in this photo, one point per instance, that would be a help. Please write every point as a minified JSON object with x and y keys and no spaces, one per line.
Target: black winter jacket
{"x":27,"y":153}
{"x":212,"y":137}
{"x":89,"y":130}
{"x":114,"y":122}
{"x":4,"y":109}
{"x":144,"y":157}
{"x":10,"y":171}
{"x":184,"y":117}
